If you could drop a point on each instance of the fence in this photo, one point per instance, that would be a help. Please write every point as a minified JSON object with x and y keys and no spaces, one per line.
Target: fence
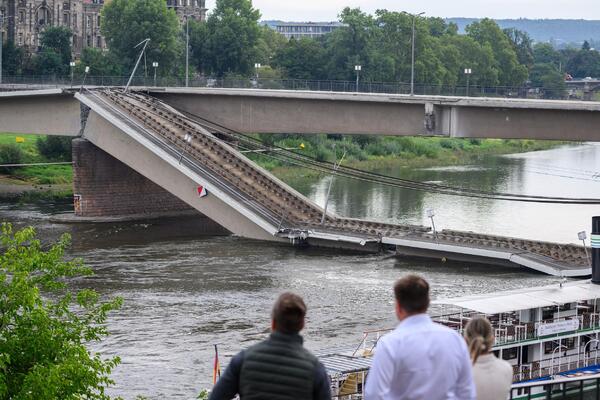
{"x":17,"y":82}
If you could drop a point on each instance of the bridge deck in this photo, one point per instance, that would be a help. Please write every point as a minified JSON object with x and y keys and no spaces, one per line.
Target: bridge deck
{"x":285,"y":213}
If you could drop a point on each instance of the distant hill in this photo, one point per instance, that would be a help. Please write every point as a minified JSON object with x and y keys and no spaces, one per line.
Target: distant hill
{"x":557,"y":31}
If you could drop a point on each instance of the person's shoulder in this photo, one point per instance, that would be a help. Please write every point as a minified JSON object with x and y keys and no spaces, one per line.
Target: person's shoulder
{"x":504,"y":366}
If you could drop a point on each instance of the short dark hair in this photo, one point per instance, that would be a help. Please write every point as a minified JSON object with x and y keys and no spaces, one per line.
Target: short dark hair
{"x":289,"y":312}
{"x":412,"y":294}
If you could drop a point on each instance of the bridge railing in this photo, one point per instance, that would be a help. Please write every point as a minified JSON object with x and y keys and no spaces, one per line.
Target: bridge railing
{"x":29,"y":81}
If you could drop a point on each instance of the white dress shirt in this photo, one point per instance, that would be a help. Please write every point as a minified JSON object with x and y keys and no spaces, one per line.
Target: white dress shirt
{"x":421,"y":360}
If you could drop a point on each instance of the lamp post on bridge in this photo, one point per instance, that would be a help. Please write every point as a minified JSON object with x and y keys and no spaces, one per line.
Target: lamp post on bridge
{"x":357,"y":68}
{"x":468,"y":72}
{"x":412,"y":63}
{"x":72,"y":66}
{"x":155,"y":66}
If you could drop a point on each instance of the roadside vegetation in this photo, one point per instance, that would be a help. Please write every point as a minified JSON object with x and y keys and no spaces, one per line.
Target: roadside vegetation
{"x":29,"y":149}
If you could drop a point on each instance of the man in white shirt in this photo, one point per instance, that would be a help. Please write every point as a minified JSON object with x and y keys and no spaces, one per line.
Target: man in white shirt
{"x":419,"y":360}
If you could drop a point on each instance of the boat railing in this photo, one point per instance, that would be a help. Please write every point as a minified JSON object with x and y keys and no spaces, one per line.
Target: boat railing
{"x":582,"y":387}
{"x":511,"y":330}
{"x":369,"y":341}
{"x":555,"y":365}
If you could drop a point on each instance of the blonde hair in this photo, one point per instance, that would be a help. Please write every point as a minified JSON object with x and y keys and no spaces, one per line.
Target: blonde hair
{"x":479,"y":337}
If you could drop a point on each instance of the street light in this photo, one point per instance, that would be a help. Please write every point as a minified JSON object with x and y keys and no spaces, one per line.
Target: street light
{"x":357,"y":68}
{"x":155,"y":66}
{"x":72,"y":65}
{"x":412,"y":64}
{"x":256,"y":69}
{"x":468,"y":72}
{"x":582,"y":236}
{"x":431,"y":214}
{"x":87,"y":69}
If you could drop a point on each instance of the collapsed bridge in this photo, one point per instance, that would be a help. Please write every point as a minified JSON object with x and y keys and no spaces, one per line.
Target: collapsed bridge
{"x":182,"y":154}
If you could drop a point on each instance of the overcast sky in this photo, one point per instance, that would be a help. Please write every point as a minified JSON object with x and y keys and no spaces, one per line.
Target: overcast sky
{"x":327,"y":10}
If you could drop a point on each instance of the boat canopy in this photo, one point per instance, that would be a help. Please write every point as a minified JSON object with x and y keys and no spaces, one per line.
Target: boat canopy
{"x":527,"y":298}
{"x":338,"y":364}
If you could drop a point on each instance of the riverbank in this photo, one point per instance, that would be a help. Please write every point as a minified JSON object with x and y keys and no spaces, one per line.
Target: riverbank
{"x":49,"y":182}
{"x":404,"y":152}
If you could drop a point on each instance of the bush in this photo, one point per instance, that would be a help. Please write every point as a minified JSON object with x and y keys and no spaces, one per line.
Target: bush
{"x":10,"y":154}
{"x":55,"y":148}
{"x":44,"y":327}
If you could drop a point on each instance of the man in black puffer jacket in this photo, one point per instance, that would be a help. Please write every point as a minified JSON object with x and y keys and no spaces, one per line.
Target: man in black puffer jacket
{"x":279,"y":368}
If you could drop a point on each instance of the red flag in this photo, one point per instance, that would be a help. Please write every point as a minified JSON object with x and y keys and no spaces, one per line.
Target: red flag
{"x":202,"y":192}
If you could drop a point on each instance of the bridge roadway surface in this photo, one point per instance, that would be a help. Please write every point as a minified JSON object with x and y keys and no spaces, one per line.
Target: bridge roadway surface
{"x":150,"y":136}
{"x":56,"y":112}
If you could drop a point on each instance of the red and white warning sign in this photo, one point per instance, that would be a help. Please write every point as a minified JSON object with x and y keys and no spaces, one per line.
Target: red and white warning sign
{"x":202,"y":192}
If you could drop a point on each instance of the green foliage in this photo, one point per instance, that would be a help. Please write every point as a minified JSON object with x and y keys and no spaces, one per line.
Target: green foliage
{"x":522,"y":45}
{"x":44,"y":327}
{"x":584,"y":63}
{"x":10,"y":154}
{"x":125,"y":23}
{"x":55,"y":52}
{"x":12,"y":59}
{"x":487,"y":33}
{"x":203,"y":395}
{"x":301,"y":59}
{"x":55,"y":148}
{"x":546,"y":76}
{"x":227,"y":42}
{"x":101,"y":63}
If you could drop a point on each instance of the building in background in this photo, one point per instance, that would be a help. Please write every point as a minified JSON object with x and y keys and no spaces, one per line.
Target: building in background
{"x":25,"y":20}
{"x":299,"y":30}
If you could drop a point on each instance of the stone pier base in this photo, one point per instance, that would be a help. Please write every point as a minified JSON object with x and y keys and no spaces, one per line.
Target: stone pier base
{"x":106,"y":188}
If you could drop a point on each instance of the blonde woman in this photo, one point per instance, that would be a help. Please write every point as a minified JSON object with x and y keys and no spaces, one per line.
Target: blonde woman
{"x":493,"y":377}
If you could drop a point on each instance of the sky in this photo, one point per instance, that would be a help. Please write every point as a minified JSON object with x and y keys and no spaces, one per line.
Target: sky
{"x":327,"y":10}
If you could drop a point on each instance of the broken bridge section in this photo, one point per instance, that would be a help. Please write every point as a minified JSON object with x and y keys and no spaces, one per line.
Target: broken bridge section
{"x":204,"y":172}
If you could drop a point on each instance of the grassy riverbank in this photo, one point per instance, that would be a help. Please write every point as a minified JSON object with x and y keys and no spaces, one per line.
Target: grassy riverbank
{"x":371,"y":153}
{"x":31,"y":183}
{"x":364,"y":152}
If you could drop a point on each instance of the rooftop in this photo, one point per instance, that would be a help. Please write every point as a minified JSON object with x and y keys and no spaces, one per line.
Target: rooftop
{"x":527,"y":298}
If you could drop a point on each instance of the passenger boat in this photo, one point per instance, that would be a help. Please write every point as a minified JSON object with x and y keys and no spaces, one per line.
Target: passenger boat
{"x":545,"y":333}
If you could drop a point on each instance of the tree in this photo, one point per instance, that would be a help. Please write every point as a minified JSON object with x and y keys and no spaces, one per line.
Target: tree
{"x":44,"y":327}
{"x":301,"y":59}
{"x":55,"y":53}
{"x":586,"y":46}
{"x":522,"y":45}
{"x":585,"y":63}
{"x":228,"y":40}
{"x":549,"y":79}
{"x":487,"y":32}
{"x":12,"y":59}
{"x":125,"y":23}
{"x":101,"y":63}
{"x":269,"y":42}
{"x":544,"y":53}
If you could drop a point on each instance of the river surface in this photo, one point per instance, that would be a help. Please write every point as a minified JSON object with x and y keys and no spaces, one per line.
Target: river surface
{"x":183,"y":294}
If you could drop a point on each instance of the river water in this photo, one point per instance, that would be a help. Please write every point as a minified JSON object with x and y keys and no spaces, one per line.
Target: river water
{"x":183,"y":294}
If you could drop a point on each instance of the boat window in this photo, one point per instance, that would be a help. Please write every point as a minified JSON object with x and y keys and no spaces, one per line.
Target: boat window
{"x":548,"y":313}
{"x":509,"y":354}
{"x":569,"y":343}
{"x":549,"y":347}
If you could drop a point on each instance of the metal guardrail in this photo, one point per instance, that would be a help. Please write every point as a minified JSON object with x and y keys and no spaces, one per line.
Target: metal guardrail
{"x":579,"y":388}
{"x":17,"y":82}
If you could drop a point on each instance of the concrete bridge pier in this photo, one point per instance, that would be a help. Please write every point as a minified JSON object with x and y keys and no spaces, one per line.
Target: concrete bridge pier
{"x":105,"y":189}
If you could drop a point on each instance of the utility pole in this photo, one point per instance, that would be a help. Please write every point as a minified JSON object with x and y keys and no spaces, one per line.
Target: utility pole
{"x":412,"y":64}
{"x":187,"y":50}
{"x":145,"y":43}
